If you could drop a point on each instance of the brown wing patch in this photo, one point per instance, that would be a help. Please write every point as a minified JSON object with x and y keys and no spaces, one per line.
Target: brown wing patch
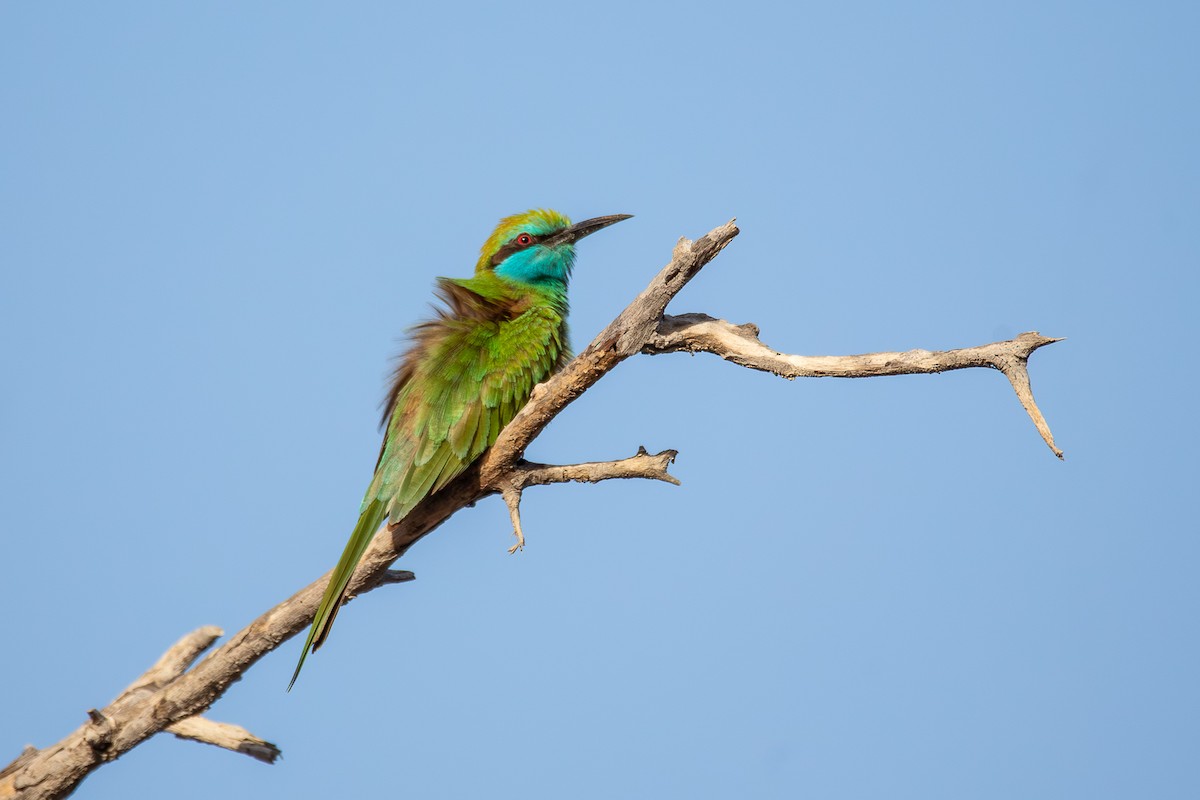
{"x":462,"y":304}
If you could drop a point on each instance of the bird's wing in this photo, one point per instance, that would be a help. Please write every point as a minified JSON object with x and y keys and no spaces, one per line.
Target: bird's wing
{"x":463,"y":381}
{"x":470,"y":384}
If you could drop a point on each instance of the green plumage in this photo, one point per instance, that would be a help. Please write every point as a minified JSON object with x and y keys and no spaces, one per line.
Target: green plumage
{"x":467,"y":374}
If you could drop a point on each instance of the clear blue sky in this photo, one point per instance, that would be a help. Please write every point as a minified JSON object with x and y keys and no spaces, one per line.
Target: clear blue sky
{"x":217,"y":221}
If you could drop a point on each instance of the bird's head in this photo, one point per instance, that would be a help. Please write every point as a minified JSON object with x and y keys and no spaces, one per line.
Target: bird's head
{"x":537,"y":247}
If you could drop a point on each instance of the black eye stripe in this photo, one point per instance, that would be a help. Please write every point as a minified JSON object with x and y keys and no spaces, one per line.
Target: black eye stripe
{"x":512,"y":246}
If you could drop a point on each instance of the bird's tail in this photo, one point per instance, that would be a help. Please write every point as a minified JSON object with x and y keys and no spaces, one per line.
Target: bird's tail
{"x":368,"y":522}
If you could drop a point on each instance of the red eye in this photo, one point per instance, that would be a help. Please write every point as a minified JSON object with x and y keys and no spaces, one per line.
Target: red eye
{"x":524,"y":239}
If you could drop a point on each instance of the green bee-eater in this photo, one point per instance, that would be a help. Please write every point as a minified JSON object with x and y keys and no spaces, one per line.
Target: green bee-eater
{"x":466,"y":375}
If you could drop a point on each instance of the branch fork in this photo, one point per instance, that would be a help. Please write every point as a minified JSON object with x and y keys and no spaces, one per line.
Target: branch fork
{"x":527,"y":473}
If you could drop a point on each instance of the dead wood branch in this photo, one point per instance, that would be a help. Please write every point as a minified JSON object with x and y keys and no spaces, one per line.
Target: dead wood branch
{"x":170,"y":696}
{"x":700,"y":333}
{"x":222,"y":734}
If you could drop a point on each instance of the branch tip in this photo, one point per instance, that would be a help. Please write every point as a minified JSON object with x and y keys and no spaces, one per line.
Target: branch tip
{"x":1016,"y":370}
{"x":231,"y":737}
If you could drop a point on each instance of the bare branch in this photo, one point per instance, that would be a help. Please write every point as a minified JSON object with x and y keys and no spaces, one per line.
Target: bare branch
{"x":641,"y":465}
{"x":700,"y":333}
{"x":175,"y":661}
{"x":56,"y":770}
{"x":169,"y":696}
{"x":526,"y":473}
{"x":223,"y":734}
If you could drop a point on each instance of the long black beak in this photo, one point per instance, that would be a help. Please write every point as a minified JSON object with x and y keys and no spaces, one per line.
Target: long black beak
{"x":581,"y":229}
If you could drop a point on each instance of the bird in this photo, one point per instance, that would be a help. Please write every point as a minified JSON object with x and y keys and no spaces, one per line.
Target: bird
{"x":466,"y":374}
